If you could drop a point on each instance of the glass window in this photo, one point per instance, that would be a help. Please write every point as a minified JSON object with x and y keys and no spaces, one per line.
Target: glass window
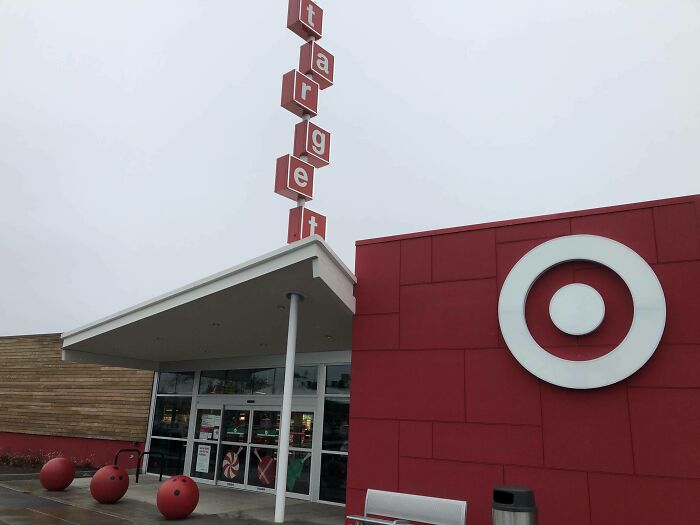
{"x":259,"y":381}
{"x":263,"y":381}
{"x":301,"y":429}
{"x":305,"y":380}
{"x":173,"y":459}
{"x":239,"y":382}
{"x":203,"y":460}
{"x":266,"y":424}
{"x":232,"y":463}
{"x":175,"y":383}
{"x":338,"y":379}
{"x":333,"y":474}
{"x":208,"y":424}
{"x":212,"y":382}
{"x":336,"y":423}
{"x":299,"y":472}
{"x":172,"y":416}
{"x":235,"y":425}
{"x":263,"y":467}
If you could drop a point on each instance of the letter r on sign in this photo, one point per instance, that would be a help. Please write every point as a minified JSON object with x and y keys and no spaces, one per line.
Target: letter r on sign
{"x":299,"y":94}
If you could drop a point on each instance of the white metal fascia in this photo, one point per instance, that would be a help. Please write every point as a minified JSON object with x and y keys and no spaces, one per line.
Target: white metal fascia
{"x":335,"y":273}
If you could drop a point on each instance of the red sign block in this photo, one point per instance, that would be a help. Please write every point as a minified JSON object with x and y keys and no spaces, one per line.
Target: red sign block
{"x":304,"y":223}
{"x":299,"y":94}
{"x":294,"y":178}
{"x":305,"y":19}
{"x":314,"y":142}
{"x":315,"y":60}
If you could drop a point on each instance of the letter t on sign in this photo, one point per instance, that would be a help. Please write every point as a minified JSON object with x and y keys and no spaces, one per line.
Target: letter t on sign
{"x":305,"y":18}
{"x":304,"y":223}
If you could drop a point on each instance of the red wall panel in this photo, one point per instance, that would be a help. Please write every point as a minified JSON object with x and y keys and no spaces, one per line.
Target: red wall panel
{"x":479,"y":443}
{"x":416,"y":257}
{"x":677,"y":237}
{"x":376,"y":461}
{"x":459,"y":314}
{"x":97,"y":452}
{"x":375,"y":332}
{"x":408,"y":387}
{"x":666,"y":431}
{"x":587,"y":430}
{"x":467,"y":255}
{"x":377,"y":268}
{"x":466,"y":416}
{"x":642,"y":500}
{"x":504,"y":394}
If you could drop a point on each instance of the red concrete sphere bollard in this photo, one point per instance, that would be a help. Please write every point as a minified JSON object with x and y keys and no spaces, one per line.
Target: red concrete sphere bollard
{"x":109,"y":484}
{"x":177,"y":497}
{"x":57,"y":474}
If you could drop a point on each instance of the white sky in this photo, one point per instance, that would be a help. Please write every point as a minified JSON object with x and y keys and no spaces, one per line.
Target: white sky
{"x":138,"y":139}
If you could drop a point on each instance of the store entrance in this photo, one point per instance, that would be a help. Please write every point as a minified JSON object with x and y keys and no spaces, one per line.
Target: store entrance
{"x":236,"y":446}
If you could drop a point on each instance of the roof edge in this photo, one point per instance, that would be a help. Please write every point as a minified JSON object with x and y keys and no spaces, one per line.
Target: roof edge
{"x":535,"y":218}
{"x":245,"y":266}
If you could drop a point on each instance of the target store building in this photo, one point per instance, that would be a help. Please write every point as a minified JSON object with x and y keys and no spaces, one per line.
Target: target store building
{"x":560,"y":353}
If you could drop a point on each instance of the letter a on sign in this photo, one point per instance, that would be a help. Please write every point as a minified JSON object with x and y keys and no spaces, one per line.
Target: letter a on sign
{"x":313,"y":59}
{"x":294,"y":178}
{"x":305,"y":19}
{"x":304,"y":223}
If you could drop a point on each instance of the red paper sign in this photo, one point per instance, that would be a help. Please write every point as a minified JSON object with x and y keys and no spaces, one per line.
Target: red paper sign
{"x":304,"y":223}
{"x":305,"y":19}
{"x":294,"y":178}
{"x":299,"y":94}
{"x":316,"y":61}
{"x":314,"y":142}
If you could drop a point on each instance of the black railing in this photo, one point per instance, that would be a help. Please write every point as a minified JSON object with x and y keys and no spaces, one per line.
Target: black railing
{"x":140,"y":456}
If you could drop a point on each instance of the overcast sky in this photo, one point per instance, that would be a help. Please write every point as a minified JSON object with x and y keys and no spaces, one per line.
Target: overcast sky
{"x":138,"y":139}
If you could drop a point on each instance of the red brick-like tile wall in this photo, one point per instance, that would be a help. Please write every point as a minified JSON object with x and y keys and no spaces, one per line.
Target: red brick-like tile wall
{"x":440,"y":407}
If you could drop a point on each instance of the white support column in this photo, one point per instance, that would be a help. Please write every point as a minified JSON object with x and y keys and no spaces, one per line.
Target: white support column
{"x":285,"y":420}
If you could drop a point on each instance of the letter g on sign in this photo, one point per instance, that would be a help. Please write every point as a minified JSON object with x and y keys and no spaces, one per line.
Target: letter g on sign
{"x":625,"y":359}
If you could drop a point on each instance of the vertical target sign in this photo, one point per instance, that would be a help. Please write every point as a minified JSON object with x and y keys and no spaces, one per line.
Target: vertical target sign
{"x":295,"y":173}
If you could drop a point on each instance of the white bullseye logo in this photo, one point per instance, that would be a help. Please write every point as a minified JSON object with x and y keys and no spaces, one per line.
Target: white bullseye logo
{"x":578,"y":309}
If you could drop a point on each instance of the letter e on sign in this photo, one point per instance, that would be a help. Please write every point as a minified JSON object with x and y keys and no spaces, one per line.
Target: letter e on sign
{"x":304,"y":223}
{"x":299,"y":94}
{"x":313,"y":59}
{"x":305,"y":19}
{"x":314,"y":142}
{"x":294,"y":178}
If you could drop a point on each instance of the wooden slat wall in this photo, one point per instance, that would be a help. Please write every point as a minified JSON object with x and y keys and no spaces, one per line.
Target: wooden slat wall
{"x":40,"y":394}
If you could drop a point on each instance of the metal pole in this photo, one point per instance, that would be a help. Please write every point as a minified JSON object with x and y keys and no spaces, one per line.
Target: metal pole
{"x":283,"y":452}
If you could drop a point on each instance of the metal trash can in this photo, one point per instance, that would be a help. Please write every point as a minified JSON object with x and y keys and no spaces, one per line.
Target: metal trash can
{"x":513,"y":506}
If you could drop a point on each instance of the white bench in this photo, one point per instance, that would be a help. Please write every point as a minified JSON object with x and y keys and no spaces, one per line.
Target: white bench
{"x":406,"y":508}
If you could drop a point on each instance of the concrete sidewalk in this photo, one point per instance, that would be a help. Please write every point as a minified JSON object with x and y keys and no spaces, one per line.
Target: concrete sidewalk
{"x":25,"y":502}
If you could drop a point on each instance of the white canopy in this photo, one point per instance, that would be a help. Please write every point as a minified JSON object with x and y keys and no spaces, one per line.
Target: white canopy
{"x":241,"y":312}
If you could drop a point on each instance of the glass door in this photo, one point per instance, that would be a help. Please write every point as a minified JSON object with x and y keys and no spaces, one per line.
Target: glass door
{"x":264,"y":446}
{"x":235,"y":444}
{"x":205,"y":445}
